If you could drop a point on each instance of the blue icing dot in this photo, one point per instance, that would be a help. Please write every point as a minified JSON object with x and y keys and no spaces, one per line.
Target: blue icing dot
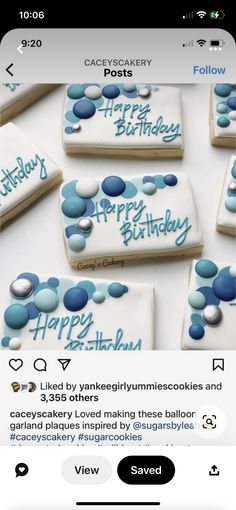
{"x":223,"y":122}
{"x":211,"y":298}
{"x":69,"y":130}
{"x":223,"y":90}
{"x":5,"y":341}
{"x":33,"y":311}
{"x":197,"y":320}
{"x":69,"y":189}
{"x":73,"y":207}
{"x":53,"y":282}
{"x":16,"y":316}
{"x":230,"y":204}
{"x":224,"y":288}
{"x":71,"y":230}
{"x":197,"y":300}
{"x":33,"y":278}
{"x":77,"y":242}
{"x":43,"y":285}
{"x":88,"y":286}
{"x":98,"y":102}
{"x":105,"y":203}
{"x":46,"y":300}
{"x":130,"y":95}
{"x":72,"y":118}
{"x":65,"y":284}
{"x":111,"y":91}
{"x":113,"y":186}
{"x":148,"y":178}
{"x":75,"y":91}
{"x":102,"y":287}
{"x":232,"y":102}
{"x":98,"y":297}
{"x":84,"y":109}
{"x":233,"y":171}
{"x":130,"y":190}
{"x":75,"y":299}
{"x":159,"y":181}
{"x":90,"y":207}
{"x":222,"y":108}
{"x":117,"y":290}
{"x":224,"y":271}
{"x":206,"y":268}
{"x":149,"y":188}
{"x":129,"y":87}
{"x":170,"y":180}
{"x":196,"y":331}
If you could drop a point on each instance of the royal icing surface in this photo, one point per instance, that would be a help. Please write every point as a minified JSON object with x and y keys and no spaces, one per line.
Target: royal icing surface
{"x":11,"y":93}
{"x":224,"y":110}
{"x":129,"y":115}
{"x":51,"y":312}
{"x":227,"y":209}
{"x":210,"y":313}
{"x":24,"y":168}
{"x":140,"y":214}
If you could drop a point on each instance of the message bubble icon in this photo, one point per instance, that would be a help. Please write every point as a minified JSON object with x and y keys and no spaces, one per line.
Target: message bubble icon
{"x":21,"y":469}
{"x":40,"y":365}
{"x":92,"y":470}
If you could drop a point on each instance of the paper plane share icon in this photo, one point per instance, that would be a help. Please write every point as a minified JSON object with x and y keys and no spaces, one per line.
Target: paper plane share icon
{"x":64,"y":363}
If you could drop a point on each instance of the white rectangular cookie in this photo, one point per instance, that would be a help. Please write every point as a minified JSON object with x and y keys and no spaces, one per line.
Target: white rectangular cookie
{"x":210,"y":312}
{"x":26,"y":172}
{"x":138,"y":120}
{"x":70,"y":313}
{"x":223,"y":115}
{"x":15,"y":97}
{"x":226,"y":216}
{"x":129,"y":217}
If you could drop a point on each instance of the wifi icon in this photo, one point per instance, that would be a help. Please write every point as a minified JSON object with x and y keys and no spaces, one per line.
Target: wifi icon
{"x":201,"y":14}
{"x":201,"y":42}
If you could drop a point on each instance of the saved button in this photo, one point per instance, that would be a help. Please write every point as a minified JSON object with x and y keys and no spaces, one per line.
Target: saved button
{"x":146,"y":470}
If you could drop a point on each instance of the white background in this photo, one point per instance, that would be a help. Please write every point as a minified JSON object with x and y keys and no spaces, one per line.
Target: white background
{"x":33,"y":242}
{"x":190,"y":489}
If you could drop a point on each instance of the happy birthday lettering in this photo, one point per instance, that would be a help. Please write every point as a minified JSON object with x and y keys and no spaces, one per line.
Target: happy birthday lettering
{"x":12,"y":179}
{"x":131,"y":213}
{"x":78,"y":326}
{"x":133,"y":120}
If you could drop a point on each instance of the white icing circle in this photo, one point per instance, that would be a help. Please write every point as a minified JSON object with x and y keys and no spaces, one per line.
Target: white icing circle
{"x":144,"y":92}
{"x":87,"y":187}
{"x":232,"y":115}
{"x":232,"y":271}
{"x":93,"y":92}
{"x":15,"y":344}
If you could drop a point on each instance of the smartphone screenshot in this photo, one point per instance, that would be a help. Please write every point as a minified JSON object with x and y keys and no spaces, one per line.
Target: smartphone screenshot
{"x":117,"y":258}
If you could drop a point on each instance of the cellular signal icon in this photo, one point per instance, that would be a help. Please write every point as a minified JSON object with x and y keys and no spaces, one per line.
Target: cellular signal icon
{"x":190,"y":15}
{"x":188,"y":44}
{"x":201,"y":14}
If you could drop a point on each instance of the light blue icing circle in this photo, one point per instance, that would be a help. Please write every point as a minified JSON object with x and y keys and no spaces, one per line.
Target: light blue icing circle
{"x":130,"y":190}
{"x":230,"y":204}
{"x":69,"y":189}
{"x":117,"y":290}
{"x":197,"y":300}
{"x":149,"y":188}
{"x":75,"y":91}
{"x":233,"y":171}
{"x":98,"y":297}
{"x":223,"y":90}
{"x":73,"y":207}
{"x":197,"y":319}
{"x":222,"y":108}
{"x":46,"y":300}
{"x":77,"y":242}
{"x":159,"y":181}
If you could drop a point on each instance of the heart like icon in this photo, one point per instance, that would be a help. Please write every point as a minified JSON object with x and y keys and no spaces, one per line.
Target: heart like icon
{"x":15,"y":364}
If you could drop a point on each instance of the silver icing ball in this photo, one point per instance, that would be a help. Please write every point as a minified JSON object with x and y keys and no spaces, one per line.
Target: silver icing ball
{"x":21,"y":288}
{"x":232,"y":187}
{"x":213,"y":315}
{"x":85,"y":225}
{"x":76,"y":128}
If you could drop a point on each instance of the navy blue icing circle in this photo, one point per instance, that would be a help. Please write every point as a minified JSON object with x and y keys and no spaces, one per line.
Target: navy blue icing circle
{"x":113,"y":186}
{"x":110,"y":91}
{"x":84,"y":109}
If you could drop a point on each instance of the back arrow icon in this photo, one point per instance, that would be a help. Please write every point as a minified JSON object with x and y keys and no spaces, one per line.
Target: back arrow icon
{"x":19,"y":49}
{"x":8,"y":69}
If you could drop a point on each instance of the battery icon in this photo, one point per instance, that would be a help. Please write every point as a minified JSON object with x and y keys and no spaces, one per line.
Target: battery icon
{"x":216,"y":44}
{"x":217,"y":14}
